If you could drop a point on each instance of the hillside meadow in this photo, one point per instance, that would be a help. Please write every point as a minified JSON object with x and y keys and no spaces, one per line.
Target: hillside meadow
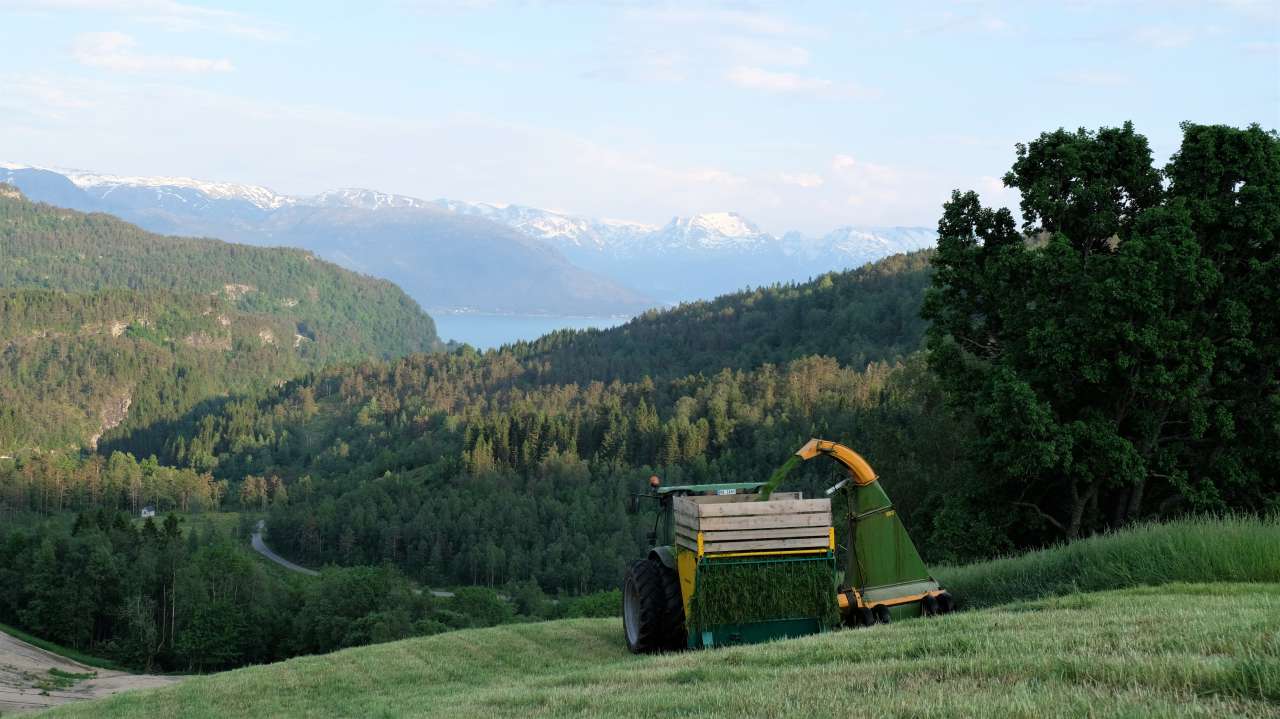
{"x":1209,"y":647}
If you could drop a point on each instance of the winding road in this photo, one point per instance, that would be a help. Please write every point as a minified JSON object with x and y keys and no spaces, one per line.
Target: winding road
{"x":262,"y":548}
{"x":265,"y":551}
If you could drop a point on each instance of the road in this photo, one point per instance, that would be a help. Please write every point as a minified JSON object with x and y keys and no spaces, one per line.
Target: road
{"x":25,"y":668}
{"x":265,"y":551}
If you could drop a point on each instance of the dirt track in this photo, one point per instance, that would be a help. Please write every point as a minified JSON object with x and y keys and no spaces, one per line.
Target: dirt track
{"x":24,"y":667}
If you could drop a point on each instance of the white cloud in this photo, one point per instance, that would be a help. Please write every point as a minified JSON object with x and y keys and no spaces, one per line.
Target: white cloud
{"x":760,"y":79}
{"x":169,"y":14}
{"x":806,"y":180}
{"x":641,"y":65}
{"x":1262,"y":48}
{"x":1163,"y":37}
{"x":39,"y":98}
{"x":751,"y":51}
{"x":843,"y":162}
{"x":749,"y":21}
{"x":948,"y":21}
{"x":1095,"y":78}
{"x":712,"y":176}
{"x":117,"y":51}
{"x":757,"y":78}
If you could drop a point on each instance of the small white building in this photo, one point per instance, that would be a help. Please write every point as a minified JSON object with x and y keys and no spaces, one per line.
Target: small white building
{"x":148,"y":511}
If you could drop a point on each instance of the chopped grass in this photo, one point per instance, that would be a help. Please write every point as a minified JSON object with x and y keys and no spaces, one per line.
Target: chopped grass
{"x":1233,"y":549}
{"x":737,"y":591}
{"x":1181,"y":650}
{"x":72,"y":654}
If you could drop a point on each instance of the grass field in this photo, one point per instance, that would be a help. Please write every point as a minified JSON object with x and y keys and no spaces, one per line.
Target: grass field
{"x":1176,"y":650}
{"x":1180,"y":619}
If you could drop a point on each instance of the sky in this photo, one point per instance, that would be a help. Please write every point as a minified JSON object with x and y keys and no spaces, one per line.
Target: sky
{"x":799,"y":115}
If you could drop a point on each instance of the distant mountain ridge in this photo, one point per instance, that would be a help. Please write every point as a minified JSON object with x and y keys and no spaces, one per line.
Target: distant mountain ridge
{"x":454,"y":255}
{"x":446,"y":261}
{"x":701,"y":256}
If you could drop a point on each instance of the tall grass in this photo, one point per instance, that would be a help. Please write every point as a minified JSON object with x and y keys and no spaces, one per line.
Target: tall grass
{"x":1230,"y":549}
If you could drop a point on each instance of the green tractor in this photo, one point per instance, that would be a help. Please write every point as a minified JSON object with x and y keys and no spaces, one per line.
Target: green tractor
{"x":739,"y":563}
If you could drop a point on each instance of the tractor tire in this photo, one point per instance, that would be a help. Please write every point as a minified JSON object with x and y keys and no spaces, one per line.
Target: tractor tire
{"x":882,"y":614}
{"x":945,"y":603}
{"x":928,"y":605}
{"x":864,"y":617}
{"x":652,"y":609}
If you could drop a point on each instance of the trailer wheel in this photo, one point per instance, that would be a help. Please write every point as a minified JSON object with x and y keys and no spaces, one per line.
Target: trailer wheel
{"x":945,"y":603}
{"x":882,"y":614}
{"x":652,"y":611}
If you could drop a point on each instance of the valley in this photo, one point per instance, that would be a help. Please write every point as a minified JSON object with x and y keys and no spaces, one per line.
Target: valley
{"x":244,"y":472}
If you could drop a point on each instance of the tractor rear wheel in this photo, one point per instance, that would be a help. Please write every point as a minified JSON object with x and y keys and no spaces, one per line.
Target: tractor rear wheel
{"x":652,"y":610}
{"x":864,"y":617}
{"x":945,"y":603}
{"x":882,"y":614}
{"x":929,"y":605}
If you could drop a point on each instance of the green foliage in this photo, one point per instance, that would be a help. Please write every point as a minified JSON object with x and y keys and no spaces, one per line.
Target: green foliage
{"x":1123,"y":363}
{"x":742,"y":591}
{"x":52,"y":482}
{"x":152,"y":599}
{"x":869,"y":314}
{"x":598,"y":604}
{"x":1203,"y":550}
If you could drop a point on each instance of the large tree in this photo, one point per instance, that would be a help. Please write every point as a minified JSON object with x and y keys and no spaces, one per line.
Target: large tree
{"x":1118,"y":353}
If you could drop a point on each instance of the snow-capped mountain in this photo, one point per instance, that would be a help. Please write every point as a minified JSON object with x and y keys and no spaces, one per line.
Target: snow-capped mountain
{"x":699,"y":256}
{"x":714,"y":232}
{"x":183,"y":189}
{"x":446,"y":261}
{"x":559,"y":229}
{"x":687,"y":258}
{"x":360,"y":199}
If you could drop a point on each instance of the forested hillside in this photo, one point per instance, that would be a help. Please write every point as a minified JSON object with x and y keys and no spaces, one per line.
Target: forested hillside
{"x":499,"y":467}
{"x":105,"y":326}
{"x":864,"y":315}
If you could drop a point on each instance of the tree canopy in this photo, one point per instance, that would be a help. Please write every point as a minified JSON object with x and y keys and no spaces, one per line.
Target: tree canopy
{"x":1118,"y":356}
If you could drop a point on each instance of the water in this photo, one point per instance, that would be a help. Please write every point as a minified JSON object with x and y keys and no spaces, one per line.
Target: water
{"x":490,"y":331}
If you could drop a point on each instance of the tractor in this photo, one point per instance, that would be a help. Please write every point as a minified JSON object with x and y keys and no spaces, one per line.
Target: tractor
{"x":739,"y":563}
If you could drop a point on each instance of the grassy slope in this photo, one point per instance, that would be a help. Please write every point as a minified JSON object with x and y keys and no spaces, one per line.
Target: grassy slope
{"x":1178,"y":650}
{"x":1190,"y":550}
{"x":1175,"y":649}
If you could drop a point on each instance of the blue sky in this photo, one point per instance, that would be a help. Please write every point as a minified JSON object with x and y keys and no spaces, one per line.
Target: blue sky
{"x":800,"y":115}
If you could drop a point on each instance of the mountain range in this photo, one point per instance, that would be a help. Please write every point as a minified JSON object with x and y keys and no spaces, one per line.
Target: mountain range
{"x":455,"y":256}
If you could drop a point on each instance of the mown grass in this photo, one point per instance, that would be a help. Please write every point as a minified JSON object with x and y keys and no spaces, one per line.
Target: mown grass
{"x":1195,"y":633}
{"x":1178,"y":650}
{"x":1193,"y":550}
{"x":72,"y":654}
